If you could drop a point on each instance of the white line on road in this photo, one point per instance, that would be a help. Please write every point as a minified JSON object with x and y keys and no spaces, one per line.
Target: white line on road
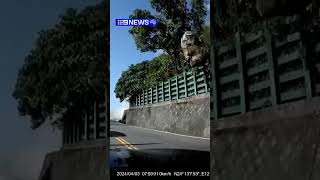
{"x":166,"y":132}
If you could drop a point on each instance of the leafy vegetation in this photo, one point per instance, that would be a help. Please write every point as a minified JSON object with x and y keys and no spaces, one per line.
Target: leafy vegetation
{"x":143,"y":75}
{"x":66,"y":70}
{"x":174,"y":19}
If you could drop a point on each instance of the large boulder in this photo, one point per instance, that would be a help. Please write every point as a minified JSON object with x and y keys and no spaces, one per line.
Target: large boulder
{"x":192,"y":50}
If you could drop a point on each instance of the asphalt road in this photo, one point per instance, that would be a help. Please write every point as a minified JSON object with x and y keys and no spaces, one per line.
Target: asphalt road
{"x":137,"y":138}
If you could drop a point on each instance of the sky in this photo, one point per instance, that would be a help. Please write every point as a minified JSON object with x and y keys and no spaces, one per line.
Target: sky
{"x":123,"y":50}
{"x":22,"y":150}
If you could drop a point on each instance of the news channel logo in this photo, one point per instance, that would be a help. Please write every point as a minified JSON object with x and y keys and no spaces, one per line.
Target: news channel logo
{"x":136,"y":22}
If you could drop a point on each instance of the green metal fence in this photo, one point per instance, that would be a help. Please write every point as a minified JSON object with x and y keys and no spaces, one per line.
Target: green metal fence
{"x":259,"y":70}
{"x":92,"y":126}
{"x":189,"y":83}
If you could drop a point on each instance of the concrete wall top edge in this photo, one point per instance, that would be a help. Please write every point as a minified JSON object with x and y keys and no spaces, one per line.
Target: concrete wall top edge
{"x":188,"y":99}
{"x":280,"y":112}
{"x":87,"y":144}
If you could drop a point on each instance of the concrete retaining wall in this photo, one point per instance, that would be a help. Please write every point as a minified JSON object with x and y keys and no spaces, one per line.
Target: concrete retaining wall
{"x":80,"y":164}
{"x":189,"y":116}
{"x":279,"y":143}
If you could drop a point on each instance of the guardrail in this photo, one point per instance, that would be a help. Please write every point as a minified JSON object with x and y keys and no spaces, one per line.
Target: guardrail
{"x":189,"y":83}
{"x":259,"y":70}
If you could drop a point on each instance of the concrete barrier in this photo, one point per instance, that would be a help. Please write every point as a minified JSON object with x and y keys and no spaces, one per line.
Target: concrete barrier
{"x":278,"y":143}
{"x":189,"y":116}
{"x":76,"y":163}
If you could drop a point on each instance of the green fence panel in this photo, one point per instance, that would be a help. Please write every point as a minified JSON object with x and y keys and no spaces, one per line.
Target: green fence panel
{"x":189,"y":83}
{"x":258,"y":70}
{"x":242,"y":73}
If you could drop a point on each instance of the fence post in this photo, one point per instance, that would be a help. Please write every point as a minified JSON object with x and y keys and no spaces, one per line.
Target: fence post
{"x":78,"y":131}
{"x":162,"y":91}
{"x":67,"y":132}
{"x":242,"y":79}
{"x":157,"y":94}
{"x":194,"y":70}
{"x":74,"y":131}
{"x":138,"y":101}
{"x":95,"y":122}
{"x":147,"y":95}
{"x":141,"y":99}
{"x":85,"y":125}
{"x":70,"y":132}
{"x":306,"y":70}
{"x":205,"y":81}
{"x":151,"y":95}
{"x":177,"y":87}
{"x":169,"y":89}
{"x":272,"y":68}
{"x":144,"y":97}
{"x":150,"y":89}
{"x":185,"y":84}
{"x":63,"y":134}
{"x":214,"y":82}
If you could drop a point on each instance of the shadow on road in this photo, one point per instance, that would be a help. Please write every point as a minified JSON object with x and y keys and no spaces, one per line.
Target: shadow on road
{"x":116,"y":134}
{"x":159,"y":159}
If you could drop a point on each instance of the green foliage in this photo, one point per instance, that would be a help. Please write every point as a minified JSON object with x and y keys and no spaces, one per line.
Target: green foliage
{"x":143,"y":75}
{"x":150,"y":73}
{"x":66,"y":69}
{"x":131,"y":80}
{"x":197,"y":14}
{"x":140,"y":33}
{"x":174,"y":19}
{"x":205,"y":42}
{"x":160,"y":69}
{"x":205,"y":36}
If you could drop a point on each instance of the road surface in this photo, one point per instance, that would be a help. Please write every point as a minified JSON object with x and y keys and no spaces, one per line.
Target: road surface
{"x":137,"y":138}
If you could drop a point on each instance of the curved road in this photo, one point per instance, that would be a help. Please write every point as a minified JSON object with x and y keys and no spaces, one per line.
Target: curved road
{"x":137,"y":138}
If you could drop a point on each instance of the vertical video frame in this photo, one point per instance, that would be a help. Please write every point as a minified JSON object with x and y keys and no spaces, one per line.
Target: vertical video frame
{"x":265,"y":89}
{"x":160,"y":88}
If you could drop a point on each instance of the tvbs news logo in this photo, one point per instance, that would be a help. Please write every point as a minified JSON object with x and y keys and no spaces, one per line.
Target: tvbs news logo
{"x":136,"y":22}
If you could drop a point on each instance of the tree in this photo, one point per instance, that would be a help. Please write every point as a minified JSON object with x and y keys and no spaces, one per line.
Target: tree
{"x":174,"y":19}
{"x":148,"y":74}
{"x":205,"y":37}
{"x":131,"y":81}
{"x":160,"y":69}
{"x":197,"y":14}
{"x":143,"y":75}
{"x":66,"y":70}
